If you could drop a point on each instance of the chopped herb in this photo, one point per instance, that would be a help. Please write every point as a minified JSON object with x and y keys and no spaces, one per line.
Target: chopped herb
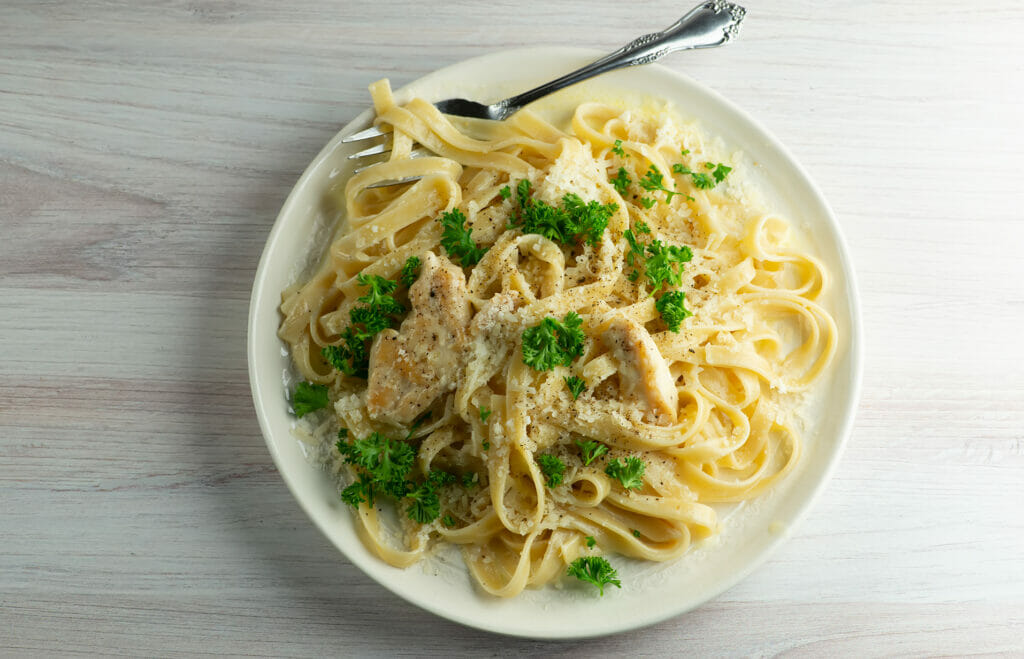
{"x":448,"y":520}
{"x":469,"y":479}
{"x":505,"y":192}
{"x":486,"y":445}
{"x":457,"y":240}
{"x":630,"y":473}
{"x":576,"y":385}
{"x":552,"y":343}
{"x":386,"y":461}
{"x":352,"y":356}
{"x":342,"y":433}
{"x":553,"y":468}
{"x":574,"y":220}
{"x":684,"y":152}
{"x":642,"y":227}
{"x":665,"y":264}
{"x":484,"y":413}
{"x":359,"y":492}
{"x":654,"y":180}
{"x":595,"y":570}
{"x":308,"y":397}
{"x":702,"y":180}
{"x":410,"y":271}
{"x":590,"y":450}
{"x":636,"y":534}
{"x":591,"y":542}
{"x":648,"y":202}
{"x":425,"y":505}
{"x":618,"y":150}
{"x":672,"y":307}
{"x":621,"y":181}
{"x":636,"y":249}
{"x":379,"y":298}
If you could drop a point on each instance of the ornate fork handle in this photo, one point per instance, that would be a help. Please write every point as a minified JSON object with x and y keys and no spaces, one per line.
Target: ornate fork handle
{"x":712,"y":23}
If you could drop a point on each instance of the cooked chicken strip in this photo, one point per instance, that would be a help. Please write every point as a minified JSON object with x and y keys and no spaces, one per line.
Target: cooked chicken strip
{"x":410,"y":368}
{"x":643,"y":373}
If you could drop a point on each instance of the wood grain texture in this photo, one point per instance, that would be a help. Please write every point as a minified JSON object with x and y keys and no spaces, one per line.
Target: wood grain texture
{"x":145,"y":149}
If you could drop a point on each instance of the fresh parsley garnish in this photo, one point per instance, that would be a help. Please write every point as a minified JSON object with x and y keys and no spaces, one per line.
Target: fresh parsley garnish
{"x":591,"y":542}
{"x":308,"y":397}
{"x":630,"y":473}
{"x":636,"y":533}
{"x":648,"y":202}
{"x":621,"y":181}
{"x":379,"y":298}
{"x":703,"y":180}
{"x":684,"y":152}
{"x":484,"y":413}
{"x":352,"y":356}
{"x":665,"y":264}
{"x":654,"y":180}
{"x":457,"y":240}
{"x":424,"y":504}
{"x":553,"y":468}
{"x":576,"y":385}
{"x":642,"y":227}
{"x":574,"y":220}
{"x":672,"y":307}
{"x":552,"y":343}
{"x":385,"y":461}
{"x":505,"y":192}
{"x":469,"y":479}
{"x":448,"y":520}
{"x":618,"y":150}
{"x":410,"y":271}
{"x":384,"y":465}
{"x":590,"y":450}
{"x":486,"y":445}
{"x":595,"y":570}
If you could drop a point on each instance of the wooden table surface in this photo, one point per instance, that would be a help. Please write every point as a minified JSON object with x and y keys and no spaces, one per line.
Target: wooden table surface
{"x":145,"y":149}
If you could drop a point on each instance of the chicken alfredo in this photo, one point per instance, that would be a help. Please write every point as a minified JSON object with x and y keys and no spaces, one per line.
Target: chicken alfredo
{"x":553,"y":345}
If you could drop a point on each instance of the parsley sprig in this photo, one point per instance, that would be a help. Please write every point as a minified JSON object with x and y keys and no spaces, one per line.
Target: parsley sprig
{"x":630,"y":473}
{"x":672,"y":307}
{"x":383,"y":466}
{"x":379,"y":311}
{"x":654,"y":181}
{"x":703,"y":180}
{"x":621,"y":181}
{"x":596,"y":570}
{"x":590,"y":450}
{"x":576,"y":385}
{"x":410,"y":271}
{"x":553,"y":468}
{"x":457,"y":240}
{"x":552,"y":343}
{"x":308,"y":397}
{"x":573,"y":221}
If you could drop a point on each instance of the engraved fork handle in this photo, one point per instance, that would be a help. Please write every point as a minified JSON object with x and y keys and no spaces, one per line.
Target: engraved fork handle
{"x":709,"y":24}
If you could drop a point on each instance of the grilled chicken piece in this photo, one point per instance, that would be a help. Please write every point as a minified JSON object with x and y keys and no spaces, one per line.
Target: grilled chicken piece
{"x":410,"y":368}
{"x":643,"y":374}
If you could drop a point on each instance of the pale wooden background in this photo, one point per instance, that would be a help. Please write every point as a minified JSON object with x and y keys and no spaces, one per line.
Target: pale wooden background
{"x":145,"y":149}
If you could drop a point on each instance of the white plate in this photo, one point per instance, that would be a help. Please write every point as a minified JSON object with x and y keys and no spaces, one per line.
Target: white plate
{"x":651,"y":592}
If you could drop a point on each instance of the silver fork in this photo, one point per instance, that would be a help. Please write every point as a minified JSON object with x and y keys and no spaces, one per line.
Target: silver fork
{"x":708,"y":25}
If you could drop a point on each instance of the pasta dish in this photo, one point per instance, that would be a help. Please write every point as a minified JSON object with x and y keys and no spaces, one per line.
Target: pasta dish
{"x":550,"y":345}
